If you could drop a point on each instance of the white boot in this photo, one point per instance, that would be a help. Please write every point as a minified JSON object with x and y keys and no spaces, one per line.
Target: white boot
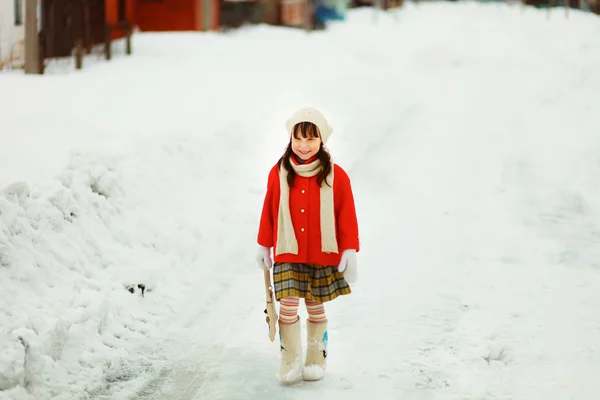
{"x":316,"y":351}
{"x":290,"y":369}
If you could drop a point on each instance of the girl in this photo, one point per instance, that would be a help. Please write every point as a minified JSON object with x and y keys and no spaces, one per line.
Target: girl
{"x":309,"y":221}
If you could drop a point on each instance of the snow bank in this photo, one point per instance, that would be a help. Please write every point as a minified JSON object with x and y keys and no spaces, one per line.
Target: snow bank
{"x":70,"y":252}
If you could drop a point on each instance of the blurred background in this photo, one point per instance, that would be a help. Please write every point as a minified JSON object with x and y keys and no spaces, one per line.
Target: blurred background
{"x":73,"y":28}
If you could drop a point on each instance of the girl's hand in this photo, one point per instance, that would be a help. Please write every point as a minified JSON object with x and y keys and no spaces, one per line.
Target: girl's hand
{"x":349,"y":266}
{"x":263,"y":257}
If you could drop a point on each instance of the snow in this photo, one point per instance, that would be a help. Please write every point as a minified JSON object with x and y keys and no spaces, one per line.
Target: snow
{"x":293,"y":373}
{"x":313,"y":372}
{"x":470,"y":133}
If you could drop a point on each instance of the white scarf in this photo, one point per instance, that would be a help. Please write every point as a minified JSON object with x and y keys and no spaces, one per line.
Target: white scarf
{"x":286,"y":239}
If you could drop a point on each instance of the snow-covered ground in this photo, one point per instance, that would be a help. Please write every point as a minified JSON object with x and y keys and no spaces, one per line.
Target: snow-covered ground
{"x":470,"y":132}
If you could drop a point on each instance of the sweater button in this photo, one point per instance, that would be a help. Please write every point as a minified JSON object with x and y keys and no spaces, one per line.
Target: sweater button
{"x":303,"y":191}
{"x":302,"y":211}
{"x":301,"y":229}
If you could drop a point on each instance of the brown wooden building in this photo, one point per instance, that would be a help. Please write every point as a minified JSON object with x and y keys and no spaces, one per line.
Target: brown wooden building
{"x":64,"y":22}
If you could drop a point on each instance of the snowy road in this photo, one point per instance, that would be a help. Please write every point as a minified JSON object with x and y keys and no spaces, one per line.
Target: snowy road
{"x":458,"y":297}
{"x":473,"y":153}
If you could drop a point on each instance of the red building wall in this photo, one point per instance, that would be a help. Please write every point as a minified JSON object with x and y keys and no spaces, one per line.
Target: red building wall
{"x":112,"y":11}
{"x":159,"y":15}
{"x":167,"y":15}
{"x":111,"y":8}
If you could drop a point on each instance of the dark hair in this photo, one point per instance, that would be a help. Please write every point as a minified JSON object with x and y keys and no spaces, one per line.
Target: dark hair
{"x":306,"y":130}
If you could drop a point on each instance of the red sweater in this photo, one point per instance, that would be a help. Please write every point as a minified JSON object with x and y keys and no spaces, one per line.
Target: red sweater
{"x":305,"y":213}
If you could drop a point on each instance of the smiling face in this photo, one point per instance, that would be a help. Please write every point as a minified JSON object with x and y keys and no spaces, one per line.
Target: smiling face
{"x":306,"y":140}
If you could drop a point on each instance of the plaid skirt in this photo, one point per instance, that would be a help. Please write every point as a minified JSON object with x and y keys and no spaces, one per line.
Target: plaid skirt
{"x":311,"y":282}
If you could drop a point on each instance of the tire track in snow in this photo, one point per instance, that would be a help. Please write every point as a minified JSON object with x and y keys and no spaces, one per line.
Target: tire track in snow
{"x":184,"y":378}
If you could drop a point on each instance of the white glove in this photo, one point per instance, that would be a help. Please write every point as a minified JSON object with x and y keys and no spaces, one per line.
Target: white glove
{"x":348,"y":265}
{"x":263,"y":257}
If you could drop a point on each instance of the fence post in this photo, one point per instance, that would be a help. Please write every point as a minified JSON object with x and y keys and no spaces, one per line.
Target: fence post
{"x":128,"y":40}
{"x":107,"y":41}
{"x":41,"y":51}
{"x":79,"y":49}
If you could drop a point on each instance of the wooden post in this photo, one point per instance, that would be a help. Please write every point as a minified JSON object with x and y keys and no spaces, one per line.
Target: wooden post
{"x":309,"y":15}
{"x":41,"y":51}
{"x":107,"y":42}
{"x":207,"y":13}
{"x":32,"y":65}
{"x":128,"y":40}
{"x":79,"y":50}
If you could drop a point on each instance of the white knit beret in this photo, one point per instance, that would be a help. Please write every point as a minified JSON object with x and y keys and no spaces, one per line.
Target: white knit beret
{"x":309,"y":114}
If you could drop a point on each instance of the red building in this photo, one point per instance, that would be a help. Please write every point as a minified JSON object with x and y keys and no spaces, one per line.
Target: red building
{"x":118,"y":14}
{"x":176,"y":15}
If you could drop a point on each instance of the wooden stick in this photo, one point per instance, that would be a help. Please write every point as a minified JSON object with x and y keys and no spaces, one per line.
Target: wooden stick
{"x":270,"y":310}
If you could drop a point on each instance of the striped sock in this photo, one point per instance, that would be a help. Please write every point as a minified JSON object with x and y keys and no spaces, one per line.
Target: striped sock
{"x":316,"y":312}
{"x":288,"y":310}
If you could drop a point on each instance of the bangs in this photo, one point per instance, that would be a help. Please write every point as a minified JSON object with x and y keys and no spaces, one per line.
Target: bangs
{"x":306,"y":130}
